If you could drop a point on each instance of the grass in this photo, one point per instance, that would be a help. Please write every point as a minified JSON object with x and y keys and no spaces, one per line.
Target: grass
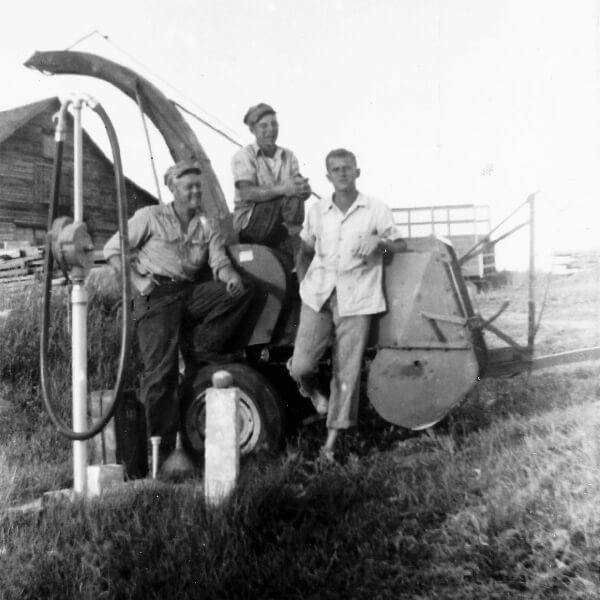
{"x":504,"y":511}
{"x":45,"y":465}
{"x":498,"y":501}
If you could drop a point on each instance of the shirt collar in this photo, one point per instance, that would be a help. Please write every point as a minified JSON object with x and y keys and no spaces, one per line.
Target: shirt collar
{"x":361,"y":200}
{"x":198,"y":220}
{"x":279,"y":151}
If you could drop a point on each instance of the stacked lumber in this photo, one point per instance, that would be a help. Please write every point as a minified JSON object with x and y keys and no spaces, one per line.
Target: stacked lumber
{"x":17,"y":260}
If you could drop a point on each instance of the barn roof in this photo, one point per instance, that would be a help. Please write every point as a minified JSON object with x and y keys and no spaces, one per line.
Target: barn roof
{"x":14,"y":118}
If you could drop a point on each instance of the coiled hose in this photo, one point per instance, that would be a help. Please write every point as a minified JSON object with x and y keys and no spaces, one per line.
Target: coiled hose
{"x":125,"y":285}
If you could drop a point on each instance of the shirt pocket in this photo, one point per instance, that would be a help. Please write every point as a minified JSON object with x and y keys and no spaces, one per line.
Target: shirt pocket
{"x":167,"y":235}
{"x":193,"y":255}
{"x":327,"y":236}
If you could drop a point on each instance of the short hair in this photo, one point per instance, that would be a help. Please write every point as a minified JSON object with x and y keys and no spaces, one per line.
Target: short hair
{"x":340,"y":153}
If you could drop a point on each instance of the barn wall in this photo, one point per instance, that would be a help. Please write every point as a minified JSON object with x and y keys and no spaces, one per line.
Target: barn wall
{"x":26,"y":159}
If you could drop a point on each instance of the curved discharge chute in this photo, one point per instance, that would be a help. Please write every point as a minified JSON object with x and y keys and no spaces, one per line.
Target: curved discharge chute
{"x":178,"y":135}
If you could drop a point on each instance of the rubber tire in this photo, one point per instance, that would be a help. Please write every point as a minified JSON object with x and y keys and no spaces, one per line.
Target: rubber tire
{"x":259,"y":403}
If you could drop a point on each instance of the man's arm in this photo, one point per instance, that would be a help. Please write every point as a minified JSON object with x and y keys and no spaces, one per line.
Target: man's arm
{"x":138,"y":231}
{"x":244,"y":169}
{"x":143,"y":283}
{"x":387,"y":238}
{"x":231,"y":278}
{"x":393,"y":246}
{"x":375,"y":243}
{"x":303,"y":259}
{"x":219,"y":261}
{"x":251,"y":192}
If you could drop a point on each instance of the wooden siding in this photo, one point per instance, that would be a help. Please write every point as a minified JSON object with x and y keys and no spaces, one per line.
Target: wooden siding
{"x":25,"y":183}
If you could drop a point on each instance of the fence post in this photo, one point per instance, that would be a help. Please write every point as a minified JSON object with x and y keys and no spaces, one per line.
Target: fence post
{"x":221,"y":441}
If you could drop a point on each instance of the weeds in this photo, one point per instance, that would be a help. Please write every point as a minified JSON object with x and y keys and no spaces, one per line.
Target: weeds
{"x":499,"y":501}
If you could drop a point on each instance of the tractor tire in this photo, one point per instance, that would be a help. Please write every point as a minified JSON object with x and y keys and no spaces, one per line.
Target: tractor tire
{"x":261,"y":412}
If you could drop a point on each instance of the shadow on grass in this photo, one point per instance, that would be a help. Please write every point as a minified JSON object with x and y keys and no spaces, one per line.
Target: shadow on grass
{"x":491,"y":401}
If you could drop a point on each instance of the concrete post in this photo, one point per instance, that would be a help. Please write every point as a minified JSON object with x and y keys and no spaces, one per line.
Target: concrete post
{"x":221,"y":442}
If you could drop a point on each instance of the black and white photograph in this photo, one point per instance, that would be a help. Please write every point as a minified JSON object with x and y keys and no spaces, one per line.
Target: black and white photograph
{"x":300,"y":300}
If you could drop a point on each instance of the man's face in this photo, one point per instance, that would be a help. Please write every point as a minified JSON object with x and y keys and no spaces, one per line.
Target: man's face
{"x":187,"y":191}
{"x":266,"y":131}
{"x":343,"y":173}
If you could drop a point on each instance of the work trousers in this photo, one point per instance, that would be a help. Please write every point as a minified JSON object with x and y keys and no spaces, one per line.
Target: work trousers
{"x":202,"y":318}
{"x":276,"y":223}
{"x":315,"y":333}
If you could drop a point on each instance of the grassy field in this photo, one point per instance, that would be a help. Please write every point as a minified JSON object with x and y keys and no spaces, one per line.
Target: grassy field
{"x":498,"y":501}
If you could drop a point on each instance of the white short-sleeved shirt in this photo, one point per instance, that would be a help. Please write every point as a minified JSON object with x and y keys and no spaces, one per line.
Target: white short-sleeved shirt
{"x":250,"y":164}
{"x":334,"y":235}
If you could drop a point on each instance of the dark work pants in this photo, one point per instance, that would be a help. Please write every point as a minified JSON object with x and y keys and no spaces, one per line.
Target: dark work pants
{"x":201,"y":317}
{"x":276,"y":223}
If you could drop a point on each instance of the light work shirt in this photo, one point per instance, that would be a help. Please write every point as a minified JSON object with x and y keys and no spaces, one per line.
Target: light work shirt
{"x":250,"y":164}
{"x":159,"y":246}
{"x":334,"y":236}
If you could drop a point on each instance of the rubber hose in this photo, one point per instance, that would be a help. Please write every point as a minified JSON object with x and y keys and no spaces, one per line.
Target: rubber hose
{"x":125,"y":295}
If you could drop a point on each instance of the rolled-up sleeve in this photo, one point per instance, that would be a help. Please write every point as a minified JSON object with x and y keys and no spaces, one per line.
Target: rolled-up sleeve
{"x":294,"y":166}
{"x":217,"y":255}
{"x":307,"y":234}
{"x":242,"y":167}
{"x":138,"y":228}
{"x":386,"y":226}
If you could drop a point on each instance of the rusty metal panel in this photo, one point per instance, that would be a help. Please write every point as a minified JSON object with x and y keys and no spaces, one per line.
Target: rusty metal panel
{"x":418,"y":285}
{"x":417,"y":388}
{"x":260,"y":264}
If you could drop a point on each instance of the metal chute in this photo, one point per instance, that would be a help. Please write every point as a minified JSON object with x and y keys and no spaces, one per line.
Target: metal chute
{"x":427,"y":355}
{"x":178,"y":135}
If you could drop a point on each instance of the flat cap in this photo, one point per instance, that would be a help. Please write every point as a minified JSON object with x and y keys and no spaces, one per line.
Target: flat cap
{"x":255,"y":113}
{"x":189,"y":165}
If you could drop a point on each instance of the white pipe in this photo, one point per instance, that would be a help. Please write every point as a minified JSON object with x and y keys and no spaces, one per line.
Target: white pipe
{"x":78,"y":161}
{"x":79,"y":300}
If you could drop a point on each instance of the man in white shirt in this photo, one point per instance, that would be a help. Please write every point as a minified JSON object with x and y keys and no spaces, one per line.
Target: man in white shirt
{"x":340,"y":268}
{"x":269,"y":190}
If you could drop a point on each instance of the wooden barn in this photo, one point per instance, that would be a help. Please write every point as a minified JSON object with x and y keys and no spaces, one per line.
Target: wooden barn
{"x":26,"y":158}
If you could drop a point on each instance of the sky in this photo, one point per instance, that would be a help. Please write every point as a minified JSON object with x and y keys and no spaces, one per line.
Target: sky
{"x":443,"y":102}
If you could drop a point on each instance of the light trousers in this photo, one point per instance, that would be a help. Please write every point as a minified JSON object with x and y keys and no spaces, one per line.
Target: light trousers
{"x":348,"y":337}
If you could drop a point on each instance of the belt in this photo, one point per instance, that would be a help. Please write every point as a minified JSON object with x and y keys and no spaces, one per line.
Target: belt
{"x":163,"y":279}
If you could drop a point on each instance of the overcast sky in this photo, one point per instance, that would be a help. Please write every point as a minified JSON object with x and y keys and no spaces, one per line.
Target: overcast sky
{"x":443,"y":101}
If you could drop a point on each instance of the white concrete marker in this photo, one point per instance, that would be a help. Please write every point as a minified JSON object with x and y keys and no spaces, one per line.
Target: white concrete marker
{"x":102,"y":477}
{"x":221,"y":442}
{"x":155,"y":441}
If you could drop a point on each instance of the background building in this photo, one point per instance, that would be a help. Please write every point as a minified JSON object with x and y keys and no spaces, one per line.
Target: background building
{"x":26,"y":157}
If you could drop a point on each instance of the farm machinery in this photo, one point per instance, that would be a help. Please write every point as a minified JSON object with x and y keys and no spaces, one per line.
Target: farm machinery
{"x":425,"y":353}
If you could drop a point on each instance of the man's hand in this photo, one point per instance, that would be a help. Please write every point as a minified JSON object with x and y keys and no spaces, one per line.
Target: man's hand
{"x":367,"y":246}
{"x":232,"y":280}
{"x":297,"y":186}
{"x":143,"y":283}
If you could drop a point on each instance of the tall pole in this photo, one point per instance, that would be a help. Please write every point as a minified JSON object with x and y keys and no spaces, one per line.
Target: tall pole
{"x":79,"y":301}
{"x":531,"y":302}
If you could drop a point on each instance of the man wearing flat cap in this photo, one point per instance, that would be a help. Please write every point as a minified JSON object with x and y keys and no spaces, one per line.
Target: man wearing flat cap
{"x":269,"y":190}
{"x":175,"y":247}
